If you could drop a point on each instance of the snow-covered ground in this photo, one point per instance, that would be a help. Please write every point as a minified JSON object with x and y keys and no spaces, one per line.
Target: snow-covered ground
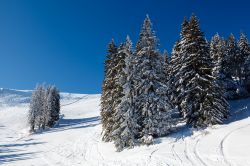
{"x":77,"y":138}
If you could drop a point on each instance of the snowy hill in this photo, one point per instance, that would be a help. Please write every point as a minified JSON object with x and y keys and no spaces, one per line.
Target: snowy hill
{"x":11,"y":97}
{"x":77,"y":138}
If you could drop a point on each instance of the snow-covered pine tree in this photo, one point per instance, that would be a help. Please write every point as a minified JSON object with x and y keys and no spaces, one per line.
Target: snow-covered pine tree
{"x":244,"y":51}
{"x":47,"y":107}
{"x":233,"y":56}
{"x":41,"y":91}
{"x":202,"y":103}
{"x":107,"y":98}
{"x":241,"y":57}
{"x":36,"y":111}
{"x":216,"y":48}
{"x":173,"y":68}
{"x":32,"y":112}
{"x":119,"y":80}
{"x":230,"y":67}
{"x":167,"y":67}
{"x":166,"y":58}
{"x":56,"y":104}
{"x":52,"y":106}
{"x":125,"y":126}
{"x":217,"y":53}
{"x":176,"y":86}
{"x":151,"y":101}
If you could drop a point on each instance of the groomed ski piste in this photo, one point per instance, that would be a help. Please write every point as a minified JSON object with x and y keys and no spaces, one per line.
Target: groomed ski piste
{"x":76,"y":140}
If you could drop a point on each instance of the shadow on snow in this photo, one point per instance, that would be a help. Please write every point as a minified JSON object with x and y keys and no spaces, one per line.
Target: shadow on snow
{"x":68,"y":124}
{"x":8,"y":158}
{"x":239,"y":110}
{"x":9,"y":152}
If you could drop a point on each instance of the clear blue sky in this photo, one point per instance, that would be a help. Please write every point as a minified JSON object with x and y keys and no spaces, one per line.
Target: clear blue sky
{"x":64,"y":42}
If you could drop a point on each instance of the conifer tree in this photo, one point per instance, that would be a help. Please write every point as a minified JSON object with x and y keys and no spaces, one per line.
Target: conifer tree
{"x":244,"y":51}
{"x":47,"y":107}
{"x":217,"y":53}
{"x":216,"y":48}
{"x":151,"y":101}
{"x":240,"y":57}
{"x":166,"y":57}
{"x":231,"y":68}
{"x":167,"y":67}
{"x":233,"y":55}
{"x":52,"y":106}
{"x":36,"y":112}
{"x":56,"y":105}
{"x":107,"y":98}
{"x":201,"y":102}
{"x":44,"y":107}
{"x":125,"y":131}
{"x":32,"y":112}
{"x":40,"y":107}
{"x":116,"y":92}
{"x":176,"y":65}
{"x":173,"y":68}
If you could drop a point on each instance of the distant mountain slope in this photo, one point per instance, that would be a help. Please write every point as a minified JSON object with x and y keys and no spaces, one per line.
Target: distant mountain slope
{"x":13,"y":97}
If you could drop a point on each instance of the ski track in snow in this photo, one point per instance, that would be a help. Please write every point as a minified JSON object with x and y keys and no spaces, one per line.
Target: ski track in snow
{"x":222,"y":143}
{"x":87,"y":148}
{"x":150,"y":156}
{"x":78,"y":100}
{"x":175,"y":155}
{"x":197,"y":154}
{"x":188,"y":157}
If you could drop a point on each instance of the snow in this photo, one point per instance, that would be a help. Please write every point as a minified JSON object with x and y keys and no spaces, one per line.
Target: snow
{"x":76,"y":140}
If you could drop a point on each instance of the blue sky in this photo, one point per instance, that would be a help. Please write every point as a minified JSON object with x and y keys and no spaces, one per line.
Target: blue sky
{"x":63,"y":42}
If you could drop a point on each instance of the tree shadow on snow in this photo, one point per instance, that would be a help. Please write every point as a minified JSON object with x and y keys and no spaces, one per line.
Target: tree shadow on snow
{"x":8,"y":158}
{"x":20,"y":144}
{"x":68,"y":124}
{"x":180,"y":132}
{"x":15,"y":152}
{"x":240,"y":109}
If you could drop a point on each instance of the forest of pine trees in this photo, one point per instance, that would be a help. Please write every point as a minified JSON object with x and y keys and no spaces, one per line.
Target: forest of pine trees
{"x":143,"y":89}
{"x":44,"y":108}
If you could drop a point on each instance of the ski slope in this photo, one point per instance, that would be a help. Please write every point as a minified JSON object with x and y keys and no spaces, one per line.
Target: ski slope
{"x":77,"y":138}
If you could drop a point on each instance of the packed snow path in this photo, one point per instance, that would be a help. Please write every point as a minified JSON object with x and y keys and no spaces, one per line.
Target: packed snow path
{"x":77,"y":140}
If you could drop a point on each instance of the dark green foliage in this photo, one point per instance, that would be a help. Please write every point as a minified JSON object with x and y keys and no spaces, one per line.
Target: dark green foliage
{"x":125,"y":128}
{"x":44,"y":108}
{"x":52,"y":106}
{"x":107,"y":98}
{"x":244,"y":51}
{"x":151,"y":102}
{"x":197,"y":91}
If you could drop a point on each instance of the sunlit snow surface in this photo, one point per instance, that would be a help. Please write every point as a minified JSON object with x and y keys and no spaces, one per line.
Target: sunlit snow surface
{"x":77,"y":138}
